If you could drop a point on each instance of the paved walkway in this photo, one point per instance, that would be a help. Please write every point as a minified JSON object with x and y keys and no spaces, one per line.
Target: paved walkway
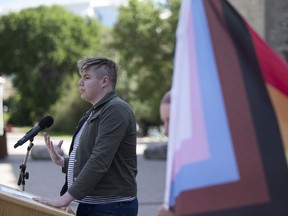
{"x":46,"y":179}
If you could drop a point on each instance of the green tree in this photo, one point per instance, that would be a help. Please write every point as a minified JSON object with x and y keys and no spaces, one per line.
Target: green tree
{"x":145,"y":41}
{"x":40,"y":47}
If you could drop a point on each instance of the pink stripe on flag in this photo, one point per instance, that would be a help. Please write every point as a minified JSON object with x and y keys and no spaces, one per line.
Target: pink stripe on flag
{"x":195,"y":148}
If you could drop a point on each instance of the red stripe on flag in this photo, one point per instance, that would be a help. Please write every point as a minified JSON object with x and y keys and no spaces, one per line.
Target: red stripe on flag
{"x":273,"y":67}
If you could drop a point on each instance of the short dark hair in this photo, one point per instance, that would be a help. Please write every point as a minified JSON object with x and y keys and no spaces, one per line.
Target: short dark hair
{"x":103,"y":66}
{"x":166,"y":99}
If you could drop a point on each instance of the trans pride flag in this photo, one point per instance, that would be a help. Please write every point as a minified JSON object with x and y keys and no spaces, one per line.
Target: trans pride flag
{"x":229,"y":117}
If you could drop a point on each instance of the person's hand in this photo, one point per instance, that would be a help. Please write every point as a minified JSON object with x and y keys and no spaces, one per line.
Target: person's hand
{"x":162,"y":211}
{"x":57,"y":202}
{"x":54,"y":151}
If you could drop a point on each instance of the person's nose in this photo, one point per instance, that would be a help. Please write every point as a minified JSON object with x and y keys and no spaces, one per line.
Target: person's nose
{"x":80,"y":82}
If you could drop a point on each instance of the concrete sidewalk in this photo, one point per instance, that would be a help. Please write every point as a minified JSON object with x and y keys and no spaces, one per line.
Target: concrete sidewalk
{"x":46,"y":179}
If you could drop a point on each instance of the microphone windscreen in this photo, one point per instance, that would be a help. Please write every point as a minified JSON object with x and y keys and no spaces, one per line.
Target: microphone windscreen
{"x":46,"y":122}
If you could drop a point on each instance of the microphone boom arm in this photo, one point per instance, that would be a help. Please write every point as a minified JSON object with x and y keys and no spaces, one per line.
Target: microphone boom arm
{"x":23,"y":174}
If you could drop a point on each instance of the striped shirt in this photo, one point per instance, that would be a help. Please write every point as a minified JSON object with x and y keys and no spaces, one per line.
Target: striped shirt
{"x":89,"y":199}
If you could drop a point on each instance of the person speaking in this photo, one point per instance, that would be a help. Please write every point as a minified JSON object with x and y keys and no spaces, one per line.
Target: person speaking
{"x":102,"y":165}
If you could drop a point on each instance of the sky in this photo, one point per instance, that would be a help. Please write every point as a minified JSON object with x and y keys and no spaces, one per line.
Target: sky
{"x":4,"y":4}
{"x":20,"y":4}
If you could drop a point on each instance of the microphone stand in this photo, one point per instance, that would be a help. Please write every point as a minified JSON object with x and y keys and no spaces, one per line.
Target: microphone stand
{"x":23,"y":174}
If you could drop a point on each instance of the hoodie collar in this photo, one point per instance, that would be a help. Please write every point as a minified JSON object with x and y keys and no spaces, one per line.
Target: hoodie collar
{"x":104,"y":100}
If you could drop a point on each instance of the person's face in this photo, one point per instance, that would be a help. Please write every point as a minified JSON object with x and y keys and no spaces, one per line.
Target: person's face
{"x":91,"y":87}
{"x":164,"y":114}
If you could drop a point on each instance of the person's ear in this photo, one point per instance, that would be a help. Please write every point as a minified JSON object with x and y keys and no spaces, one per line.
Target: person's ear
{"x":105,"y":81}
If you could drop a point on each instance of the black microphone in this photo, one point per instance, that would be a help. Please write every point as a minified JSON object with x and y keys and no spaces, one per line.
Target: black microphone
{"x":45,"y":122}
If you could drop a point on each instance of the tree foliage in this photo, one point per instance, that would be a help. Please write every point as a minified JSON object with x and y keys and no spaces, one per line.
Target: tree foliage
{"x":40,"y":47}
{"x":145,"y":42}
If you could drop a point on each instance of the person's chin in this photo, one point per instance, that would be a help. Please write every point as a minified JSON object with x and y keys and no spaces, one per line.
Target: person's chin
{"x":82,"y":96}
